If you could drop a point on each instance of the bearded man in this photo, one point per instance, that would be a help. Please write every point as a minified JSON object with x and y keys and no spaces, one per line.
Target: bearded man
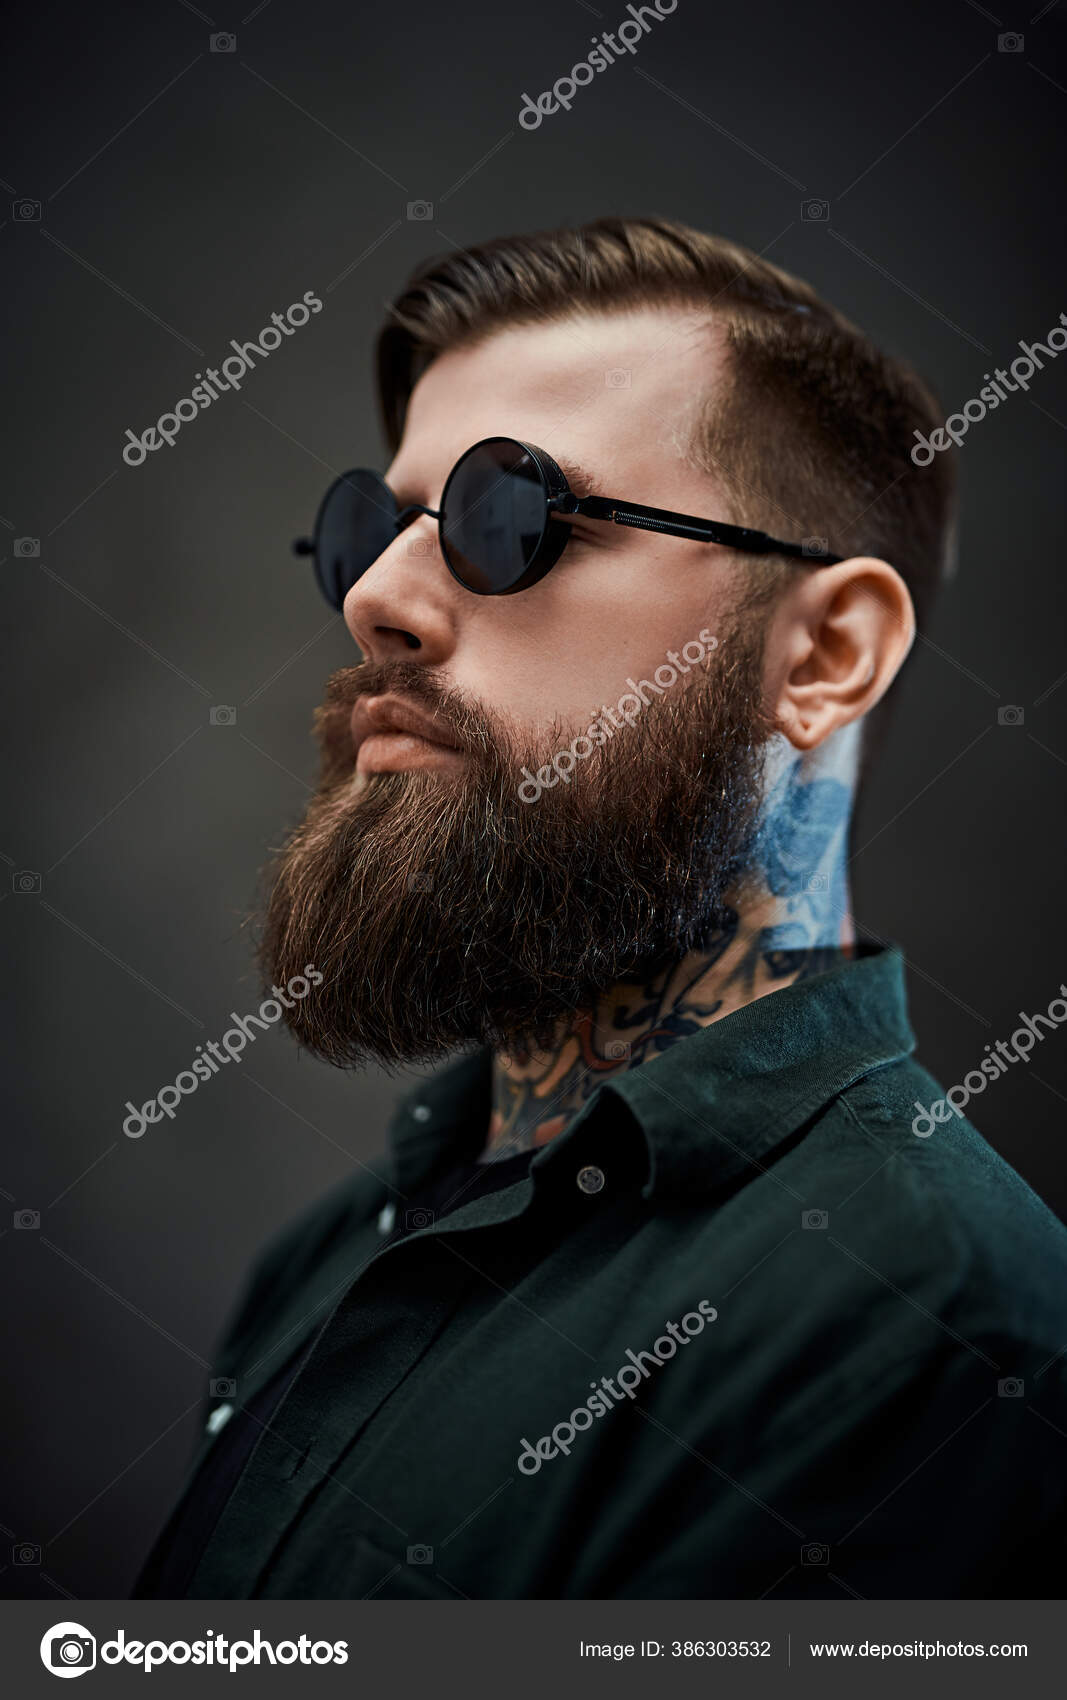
{"x":663,"y":1289}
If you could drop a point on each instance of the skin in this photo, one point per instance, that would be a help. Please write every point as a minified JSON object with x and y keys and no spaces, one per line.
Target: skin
{"x":612,"y":608}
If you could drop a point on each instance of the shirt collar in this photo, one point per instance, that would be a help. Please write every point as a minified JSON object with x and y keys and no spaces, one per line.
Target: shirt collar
{"x":712,"y":1105}
{"x":442,"y":1123}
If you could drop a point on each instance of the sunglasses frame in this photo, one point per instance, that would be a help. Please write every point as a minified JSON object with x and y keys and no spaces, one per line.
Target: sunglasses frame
{"x":561,"y":504}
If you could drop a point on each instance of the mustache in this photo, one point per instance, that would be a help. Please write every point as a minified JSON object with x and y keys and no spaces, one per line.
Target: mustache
{"x":474,"y":729}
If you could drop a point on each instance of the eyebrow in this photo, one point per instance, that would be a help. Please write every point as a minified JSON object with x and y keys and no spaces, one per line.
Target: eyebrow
{"x":582,"y":483}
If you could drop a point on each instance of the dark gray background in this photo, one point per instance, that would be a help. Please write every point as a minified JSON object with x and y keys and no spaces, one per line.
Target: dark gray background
{"x":185,"y":196}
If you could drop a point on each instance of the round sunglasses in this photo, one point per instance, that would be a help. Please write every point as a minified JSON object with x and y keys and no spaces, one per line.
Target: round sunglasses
{"x":502,"y":523}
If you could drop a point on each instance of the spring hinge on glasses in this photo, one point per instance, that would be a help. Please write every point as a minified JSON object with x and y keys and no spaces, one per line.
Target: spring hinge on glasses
{"x":621,"y":517}
{"x":675,"y":527}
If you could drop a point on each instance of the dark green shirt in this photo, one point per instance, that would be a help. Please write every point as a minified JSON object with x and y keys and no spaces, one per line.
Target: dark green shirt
{"x":738,"y":1333}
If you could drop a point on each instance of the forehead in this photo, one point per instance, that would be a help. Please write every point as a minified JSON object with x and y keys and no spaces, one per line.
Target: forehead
{"x":619,"y":394}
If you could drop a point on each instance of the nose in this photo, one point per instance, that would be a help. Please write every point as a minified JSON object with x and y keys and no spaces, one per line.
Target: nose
{"x":407,"y":601}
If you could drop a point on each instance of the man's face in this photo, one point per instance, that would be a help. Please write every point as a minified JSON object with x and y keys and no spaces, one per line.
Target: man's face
{"x":442,"y":903}
{"x":617,"y":395}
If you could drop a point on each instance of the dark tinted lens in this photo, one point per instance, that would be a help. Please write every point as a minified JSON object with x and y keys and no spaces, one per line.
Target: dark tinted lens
{"x":493,"y":515}
{"x":356,"y":522}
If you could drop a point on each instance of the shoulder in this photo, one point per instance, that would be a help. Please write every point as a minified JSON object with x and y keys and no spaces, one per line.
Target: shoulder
{"x":858,"y":1258}
{"x":938,"y":1203}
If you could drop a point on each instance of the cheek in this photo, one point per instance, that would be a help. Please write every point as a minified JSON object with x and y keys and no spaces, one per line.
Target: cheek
{"x":567,"y":647}
{"x":562,"y":677}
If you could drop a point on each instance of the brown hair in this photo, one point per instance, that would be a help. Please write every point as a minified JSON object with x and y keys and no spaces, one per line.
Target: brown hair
{"x":812,"y":437}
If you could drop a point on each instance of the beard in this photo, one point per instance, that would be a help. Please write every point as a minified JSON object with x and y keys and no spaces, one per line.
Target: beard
{"x":444,"y":912}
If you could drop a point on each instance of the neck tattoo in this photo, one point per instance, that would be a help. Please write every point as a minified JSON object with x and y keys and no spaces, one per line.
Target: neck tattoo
{"x":792,"y":920}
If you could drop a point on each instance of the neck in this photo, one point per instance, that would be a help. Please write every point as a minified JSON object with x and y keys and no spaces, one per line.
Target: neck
{"x":791,"y":919}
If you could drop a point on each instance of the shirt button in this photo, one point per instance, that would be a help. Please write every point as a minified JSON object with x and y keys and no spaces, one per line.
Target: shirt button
{"x":421,"y":1112}
{"x":590,"y":1179}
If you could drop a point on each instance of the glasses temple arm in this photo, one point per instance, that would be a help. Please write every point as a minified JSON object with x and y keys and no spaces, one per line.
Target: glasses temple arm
{"x":687,"y":525}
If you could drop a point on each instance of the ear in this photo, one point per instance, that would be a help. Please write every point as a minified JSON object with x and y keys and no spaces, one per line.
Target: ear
{"x":836,"y":642}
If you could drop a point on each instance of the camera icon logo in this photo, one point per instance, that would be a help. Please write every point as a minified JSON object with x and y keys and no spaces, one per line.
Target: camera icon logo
{"x":223,"y":1387}
{"x":416,"y":1219}
{"x":223,"y":714}
{"x":1010,"y":1388}
{"x":815,"y":212}
{"x":27,"y":1219}
{"x":616,"y":1049}
{"x":815,"y":546}
{"x":68,"y":1649}
{"x":815,"y":1553}
{"x":26,"y":883}
{"x":818,"y":882}
{"x":25,"y":1552}
{"x":1010,"y":715}
{"x":27,"y":548}
{"x":420,"y":546}
{"x":420,"y":1554}
{"x":617,"y":378}
{"x":420,"y":210}
{"x":223,"y":42}
{"x":815,"y":1219}
{"x":26,"y":212}
{"x":1010,"y":43}
{"x":420,"y":882}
